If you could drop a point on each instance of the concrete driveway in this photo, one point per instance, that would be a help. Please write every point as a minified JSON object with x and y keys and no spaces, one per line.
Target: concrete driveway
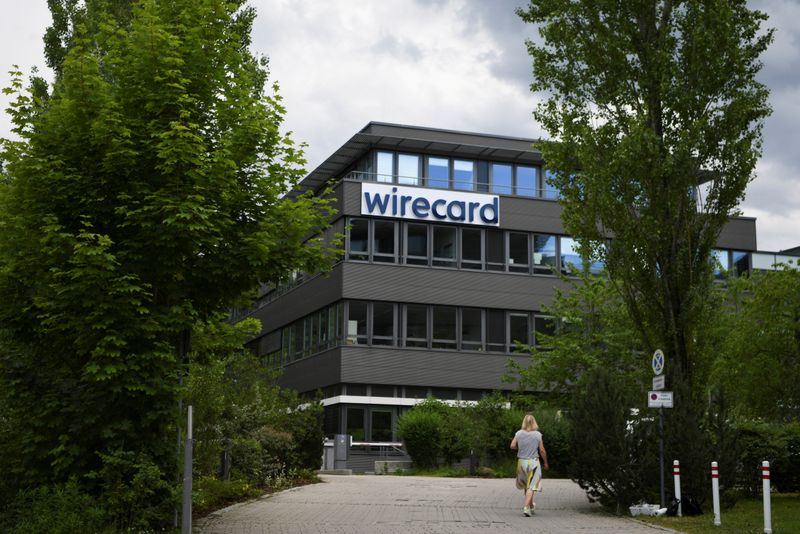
{"x":373,"y":504}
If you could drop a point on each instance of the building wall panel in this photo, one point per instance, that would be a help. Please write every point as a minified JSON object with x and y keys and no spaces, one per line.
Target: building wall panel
{"x":413,"y":367}
{"x":402,"y":283}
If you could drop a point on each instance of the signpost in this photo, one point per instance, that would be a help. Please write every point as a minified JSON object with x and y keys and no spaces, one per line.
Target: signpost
{"x":658,"y":382}
{"x":659,"y":399}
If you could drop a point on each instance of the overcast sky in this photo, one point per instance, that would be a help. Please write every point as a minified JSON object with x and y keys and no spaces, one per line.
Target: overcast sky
{"x":453,"y":64}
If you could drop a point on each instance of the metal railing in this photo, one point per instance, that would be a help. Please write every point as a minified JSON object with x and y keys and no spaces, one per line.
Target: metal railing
{"x":451,"y":185}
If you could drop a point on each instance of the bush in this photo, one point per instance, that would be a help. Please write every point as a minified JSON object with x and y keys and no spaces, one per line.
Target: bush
{"x":556,"y":430}
{"x":492,"y":428}
{"x":134,"y":493}
{"x":612,"y":450}
{"x":420,"y":431}
{"x":209,"y":493}
{"x":307,"y":436}
{"x":777,"y":444}
{"x":60,"y":509}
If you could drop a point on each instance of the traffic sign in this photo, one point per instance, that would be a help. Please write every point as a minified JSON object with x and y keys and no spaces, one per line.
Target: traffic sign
{"x":659,"y":382}
{"x":658,"y":362}
{"x":659,"y":399}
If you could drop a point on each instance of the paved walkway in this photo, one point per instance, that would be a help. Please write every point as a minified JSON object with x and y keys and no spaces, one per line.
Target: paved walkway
{"x":372,"y":504}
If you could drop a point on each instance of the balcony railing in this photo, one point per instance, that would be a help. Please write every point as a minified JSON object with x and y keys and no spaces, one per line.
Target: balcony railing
{"x":453,"y":185}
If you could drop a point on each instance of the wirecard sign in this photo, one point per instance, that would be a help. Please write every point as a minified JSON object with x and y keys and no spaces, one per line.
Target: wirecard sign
{"x":388,"y":200}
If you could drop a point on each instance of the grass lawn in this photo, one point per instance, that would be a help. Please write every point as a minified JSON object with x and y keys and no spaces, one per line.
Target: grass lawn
{"x":745,"y":517}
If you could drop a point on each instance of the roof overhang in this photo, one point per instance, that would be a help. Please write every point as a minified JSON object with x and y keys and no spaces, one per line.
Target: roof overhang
{"x":419,"y":139}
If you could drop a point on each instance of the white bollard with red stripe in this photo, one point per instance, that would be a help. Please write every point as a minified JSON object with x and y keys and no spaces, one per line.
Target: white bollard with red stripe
{"x":715,"y":492}
{"x":676,"y":472}
{"x":767,"y":503}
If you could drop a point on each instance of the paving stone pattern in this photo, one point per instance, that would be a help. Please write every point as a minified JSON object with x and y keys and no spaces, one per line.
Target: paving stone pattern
{"x":373,"y":504}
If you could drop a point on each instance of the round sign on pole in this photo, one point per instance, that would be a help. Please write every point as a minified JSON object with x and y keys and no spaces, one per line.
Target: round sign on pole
{"x":658,"y":362}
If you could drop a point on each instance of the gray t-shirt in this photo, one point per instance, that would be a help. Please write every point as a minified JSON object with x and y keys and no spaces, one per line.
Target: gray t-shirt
{"x":528,"y":443}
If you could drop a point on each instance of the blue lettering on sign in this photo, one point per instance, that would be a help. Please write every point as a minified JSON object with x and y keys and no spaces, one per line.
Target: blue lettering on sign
{"x":456,"y":210}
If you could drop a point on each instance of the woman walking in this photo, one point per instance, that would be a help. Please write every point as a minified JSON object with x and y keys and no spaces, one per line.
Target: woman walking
{"x":530,"y":447}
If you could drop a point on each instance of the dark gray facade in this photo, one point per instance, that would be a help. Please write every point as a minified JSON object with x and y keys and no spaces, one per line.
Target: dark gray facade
{"x":379,"y":331}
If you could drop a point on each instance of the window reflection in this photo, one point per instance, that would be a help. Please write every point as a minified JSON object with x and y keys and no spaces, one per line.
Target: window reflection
{"x":463,"y":175}
{"x":385,"y":167}
{"x":526,"y":181}
{"x":544,"y":254}
{"x":501,"y":179}
{"x":444,"y":246}
{"x":439,"y":172}
{"x":408,"y":169}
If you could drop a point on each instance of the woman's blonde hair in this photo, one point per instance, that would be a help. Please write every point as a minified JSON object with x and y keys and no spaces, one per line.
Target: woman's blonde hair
{"x":529,"y":423}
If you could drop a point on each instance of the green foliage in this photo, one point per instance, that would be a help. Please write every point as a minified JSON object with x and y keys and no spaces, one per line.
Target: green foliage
{"x":643,"y":101}
{"x":491,"y":427}
{"x":777,"y":444}
{"x":758,"y":328}
{"x":59,"y":509}
{"x":133,"y":491}
{"x":267,"y":433}
{"x":142,"y":195}
{"x":210,"y":493}
{"x":613,"y":453}
{"x":421,"y":433}
{"x":594,"y":331}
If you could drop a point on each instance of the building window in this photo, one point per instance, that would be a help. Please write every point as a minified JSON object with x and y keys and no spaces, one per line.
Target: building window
{"x":417,"y":244}
{"x":463,"y":175}
{"x":526,"y":181}
{"x":408,"y":169}
{"x":358,"y":247}
{"x":543,"y":326}
{"x":444,"y":246}
{"x":439,"y":173}
{"x":382,"y":323}
{"x":518,"y":252}
{"x":495,"y":330}
{"x":502,"y":177}
{"x":383,"y":242}
{"x":416,"y":334}
{"x":471,"y":248}
{"x":444,"y":327}
{"x":385,"y":167}
{"x":495,"y":250}
{"x":741,"y":262}
{"x":721,"y":261}
{"x":380,"y":425}
{"x":569,"y":255}
{"x":471,"y":329}
{"x":545,"y":257}
{"x":356,"y":322}
{"x":548,"y":190}
{"x":518,"y":329}
{"x":355,"y":423}
{"x":298,"y":341}
{"x":381,"y":391}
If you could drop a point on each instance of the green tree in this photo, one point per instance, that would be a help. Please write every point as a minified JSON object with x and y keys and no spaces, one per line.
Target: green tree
{"x":145,"y":194}
{"x":655,"y":118}
{"x":758,"y":362}
{"x":593,"y":330}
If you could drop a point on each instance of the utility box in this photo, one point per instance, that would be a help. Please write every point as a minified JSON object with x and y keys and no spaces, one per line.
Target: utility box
{"x":341,"y":450}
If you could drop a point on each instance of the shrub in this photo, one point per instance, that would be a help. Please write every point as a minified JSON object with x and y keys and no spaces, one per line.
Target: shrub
{"x":492,"y":428}
{"x":420,"y":431}
{"x":612,"y":453}
{"x":307,"y":436}
{"x":134,"y":492}
{"x":775,"y":443}
{"x":60,"y":509}
{"x":556,"y":431}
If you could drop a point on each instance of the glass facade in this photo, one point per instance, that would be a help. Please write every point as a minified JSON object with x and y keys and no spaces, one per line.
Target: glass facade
{"x":500,"y":178}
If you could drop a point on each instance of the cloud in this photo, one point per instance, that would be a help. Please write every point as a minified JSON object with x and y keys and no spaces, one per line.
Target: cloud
{"x":454,"y":64}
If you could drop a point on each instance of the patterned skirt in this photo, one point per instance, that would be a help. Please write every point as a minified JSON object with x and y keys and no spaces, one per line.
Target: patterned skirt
{"x":529,"y":474}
